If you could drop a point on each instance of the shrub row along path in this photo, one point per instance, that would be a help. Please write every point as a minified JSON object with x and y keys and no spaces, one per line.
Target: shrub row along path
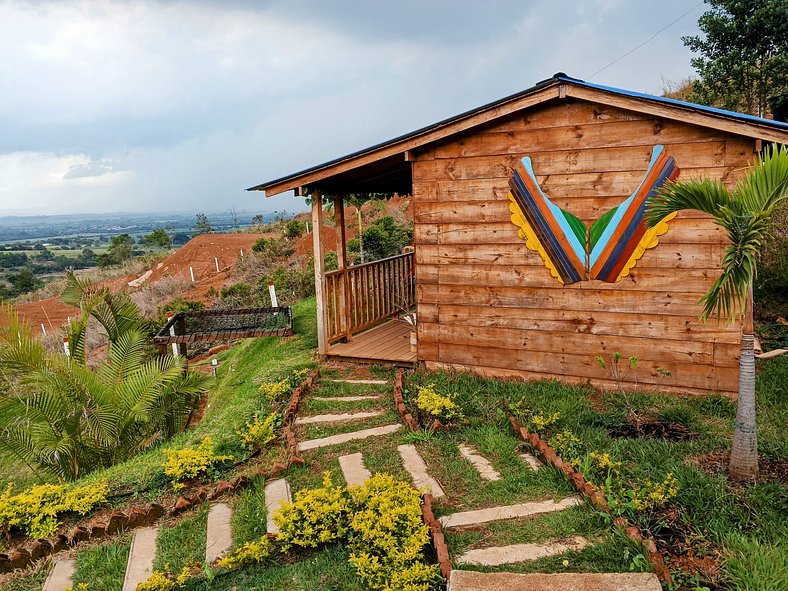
{"x":351,"y":422}
{"x":496,"y":512}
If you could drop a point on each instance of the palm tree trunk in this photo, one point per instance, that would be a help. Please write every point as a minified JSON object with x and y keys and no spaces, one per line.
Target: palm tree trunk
{"x":744,"y":450}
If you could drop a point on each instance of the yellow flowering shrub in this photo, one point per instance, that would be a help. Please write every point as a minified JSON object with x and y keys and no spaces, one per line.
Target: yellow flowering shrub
{"x":569,"y":448}
{"x":249,"y":553}
{"x":316,"y":516}
{"x":274,"y":391}
{"x":257,"y":433}
{"x":654,"y":494}
{"x":438,"y":406}
{"x":35,"y":511}
{"x":188,"y":463}
{"x":540,"y":422}
{"x":380,"y":521}
{"x":158,"y":581}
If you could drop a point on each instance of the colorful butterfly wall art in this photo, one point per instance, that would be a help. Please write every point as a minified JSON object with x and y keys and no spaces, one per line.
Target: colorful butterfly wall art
{"x":606,"y":251}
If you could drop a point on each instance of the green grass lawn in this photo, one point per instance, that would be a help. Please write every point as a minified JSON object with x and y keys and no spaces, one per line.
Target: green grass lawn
{"x":742,"y":527}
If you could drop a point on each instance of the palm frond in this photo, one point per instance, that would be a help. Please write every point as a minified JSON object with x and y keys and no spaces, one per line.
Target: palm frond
{"x":766,"y":184}
{"x":704,"y":195}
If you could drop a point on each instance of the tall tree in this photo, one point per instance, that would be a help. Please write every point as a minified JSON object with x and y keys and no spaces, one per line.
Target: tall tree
{"x":744,"y":214}
{"x":742,"y":54}
{"x":202,"y":225}
{"x":159,"y":238}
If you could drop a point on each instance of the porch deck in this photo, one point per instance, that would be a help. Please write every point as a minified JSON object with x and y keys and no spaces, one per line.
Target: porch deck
{"x":389,"y":341}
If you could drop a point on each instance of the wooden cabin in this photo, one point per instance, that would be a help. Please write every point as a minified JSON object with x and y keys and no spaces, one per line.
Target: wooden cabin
{"x":498,"y":194}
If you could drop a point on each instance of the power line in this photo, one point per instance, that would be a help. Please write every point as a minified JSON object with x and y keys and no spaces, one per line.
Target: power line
{"x":634,"y":49}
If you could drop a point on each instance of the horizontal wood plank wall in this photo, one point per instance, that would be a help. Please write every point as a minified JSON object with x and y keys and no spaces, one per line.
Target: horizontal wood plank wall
{"x":487,"y":304}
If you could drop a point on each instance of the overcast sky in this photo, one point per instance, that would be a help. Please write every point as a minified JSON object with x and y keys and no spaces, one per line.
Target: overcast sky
{"x":179,"y":106}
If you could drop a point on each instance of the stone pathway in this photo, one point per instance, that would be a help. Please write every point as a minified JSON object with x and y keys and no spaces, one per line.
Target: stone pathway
{"x":496,"y":556}
{"x":140,"y":563}
{"x":219,"y":535}
{"x":337,"y":418}
{"x":353,"y":469}
{"x":463,"y":580}
{"x":346,"y":398}
{"x":482,"y":464}
{"x":519,"y":511}
{"x":345,"y":437}
{"x":60,"y":575}
{"x":368,"y":382}
{"x":276,"y":492}
{"x":531,"y":460}
{"x":414,"y":464}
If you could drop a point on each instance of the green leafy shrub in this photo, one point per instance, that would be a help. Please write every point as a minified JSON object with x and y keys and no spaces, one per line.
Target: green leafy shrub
{"x":185,"y":464}
{"x":438,"y":406}
{"x":293,"y":229}
{"x":35,"y":510}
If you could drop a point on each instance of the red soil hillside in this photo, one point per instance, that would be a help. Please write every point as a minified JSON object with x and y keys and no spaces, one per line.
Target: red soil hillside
{"x":201,"y":252}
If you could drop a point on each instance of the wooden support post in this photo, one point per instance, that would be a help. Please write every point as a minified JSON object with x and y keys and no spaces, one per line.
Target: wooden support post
{"x":317,"y":241}
{"x":344,"y":286}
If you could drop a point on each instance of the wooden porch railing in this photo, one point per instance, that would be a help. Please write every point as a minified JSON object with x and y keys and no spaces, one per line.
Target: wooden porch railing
{"x":363,"y":295}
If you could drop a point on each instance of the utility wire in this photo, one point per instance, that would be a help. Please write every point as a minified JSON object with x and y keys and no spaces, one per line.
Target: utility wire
{"x":634,"y":49}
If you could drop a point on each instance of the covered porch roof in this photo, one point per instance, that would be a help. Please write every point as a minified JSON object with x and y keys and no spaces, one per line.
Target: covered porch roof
{"x":386,"y":167}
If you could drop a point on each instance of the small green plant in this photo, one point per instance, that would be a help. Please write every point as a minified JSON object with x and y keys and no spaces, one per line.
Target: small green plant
{"x":35,"y":510}
{"x":438,"y":406}
{"x":185,"y":464}
{"x":617,"y":370}
{"x":256,"y":433}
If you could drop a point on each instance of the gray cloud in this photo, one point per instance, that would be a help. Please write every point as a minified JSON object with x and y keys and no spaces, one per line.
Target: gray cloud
{"x":194,"y":101}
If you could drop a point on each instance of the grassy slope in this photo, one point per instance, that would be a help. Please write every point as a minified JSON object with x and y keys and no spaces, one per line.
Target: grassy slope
{"x":234,"y":397}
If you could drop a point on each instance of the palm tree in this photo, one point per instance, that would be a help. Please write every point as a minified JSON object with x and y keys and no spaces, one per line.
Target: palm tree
{"x":744,"y":214}
{"x":62,"y":417}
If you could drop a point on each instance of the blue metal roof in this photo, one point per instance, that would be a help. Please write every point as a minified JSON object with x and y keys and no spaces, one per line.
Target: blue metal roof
{"x":674,"y":102}
{"x":555,"y":79}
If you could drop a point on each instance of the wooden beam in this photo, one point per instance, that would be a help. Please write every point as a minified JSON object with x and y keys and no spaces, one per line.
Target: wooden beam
{"x":450,"y":128}
{"x":409,"y":156}
{"x":678,"y":113}
{"x":344,"y":287}
{"x":317,"y":241}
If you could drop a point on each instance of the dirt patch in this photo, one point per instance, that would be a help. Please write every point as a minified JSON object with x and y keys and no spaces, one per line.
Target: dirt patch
{"x":716,"y":464}
{"x":640,"y":426}
{"x":51,"y":312}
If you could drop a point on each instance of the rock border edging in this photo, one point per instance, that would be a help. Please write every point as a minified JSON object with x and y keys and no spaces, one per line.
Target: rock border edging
{"x":595,"y":496}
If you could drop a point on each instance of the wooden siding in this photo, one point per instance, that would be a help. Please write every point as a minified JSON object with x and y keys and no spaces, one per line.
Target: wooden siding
{"x":488,"y":304}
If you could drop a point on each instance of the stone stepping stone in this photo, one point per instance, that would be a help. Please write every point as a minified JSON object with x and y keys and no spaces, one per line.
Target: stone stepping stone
{"x":276,"y":493}
{"x":345,"y":398}
{"x":337,"y":418}
{"x":60,"y":575}
{"x":499,"y":555}
{"x":531,"y":460}
{"x":219,"y":536}
{"x":482,"y":464}
{"x":375,"y":382}
{"x":414,"y":464}
{"x":345,"y":437}
{"x":140,"y":564}
{"x":507,"y":512}
{"x":353,"y":469}
{"x":466,"y":580}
